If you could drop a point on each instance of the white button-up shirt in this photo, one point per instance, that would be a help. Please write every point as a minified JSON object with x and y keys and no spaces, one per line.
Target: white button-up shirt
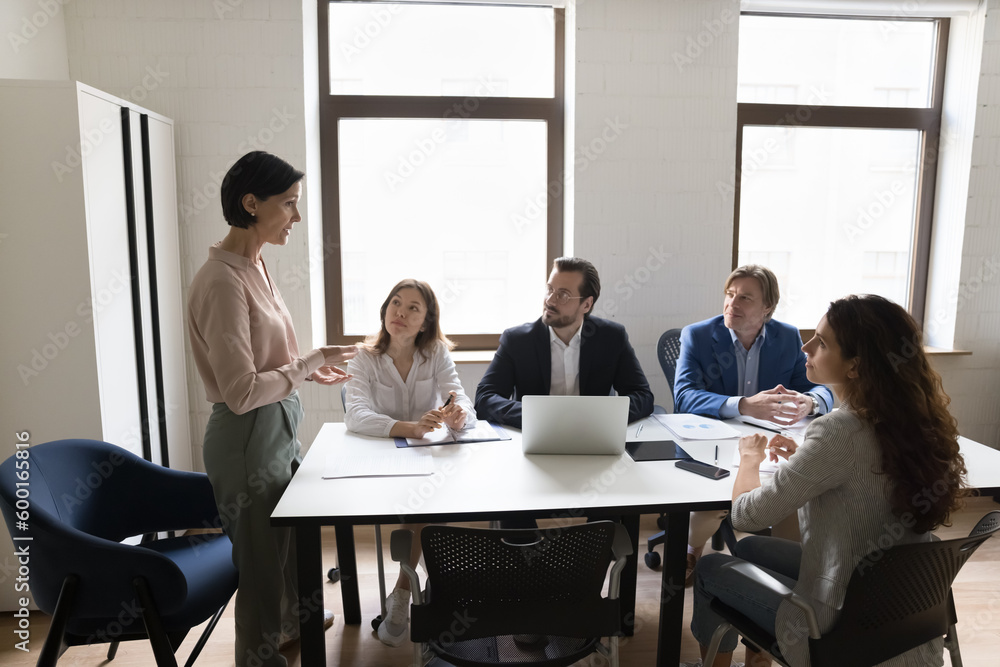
{"x":565,"y":365}
{"x":377,"y":397}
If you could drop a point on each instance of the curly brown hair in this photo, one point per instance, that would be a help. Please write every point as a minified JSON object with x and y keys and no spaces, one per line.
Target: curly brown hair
{"x":902,"y":397}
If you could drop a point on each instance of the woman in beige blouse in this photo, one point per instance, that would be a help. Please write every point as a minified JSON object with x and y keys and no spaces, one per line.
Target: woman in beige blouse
{"x":859,"y":479}
{"x":245,"y":349}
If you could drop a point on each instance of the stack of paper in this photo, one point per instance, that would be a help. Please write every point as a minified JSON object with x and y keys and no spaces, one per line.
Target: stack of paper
{"x":386,"y":464}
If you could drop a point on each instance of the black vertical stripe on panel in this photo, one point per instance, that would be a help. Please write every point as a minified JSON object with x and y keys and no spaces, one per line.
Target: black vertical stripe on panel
{"x":154,"y":297}
{"x":133,"y":251}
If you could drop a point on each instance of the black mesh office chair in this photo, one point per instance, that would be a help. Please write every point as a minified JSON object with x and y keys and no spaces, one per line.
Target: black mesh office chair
{"x":515,"y":597}
{"x":896,"y":600}
{"x":668,"y":348}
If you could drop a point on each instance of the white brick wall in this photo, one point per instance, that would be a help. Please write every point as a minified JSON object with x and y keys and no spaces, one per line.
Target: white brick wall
{"x":655,"y":186}
{"x":973,"y":382}
{"x":230,"y":74}
{"x":663,"y":72}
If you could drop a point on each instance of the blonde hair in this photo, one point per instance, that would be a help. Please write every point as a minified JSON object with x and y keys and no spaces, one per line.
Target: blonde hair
{"x":768,"y":284}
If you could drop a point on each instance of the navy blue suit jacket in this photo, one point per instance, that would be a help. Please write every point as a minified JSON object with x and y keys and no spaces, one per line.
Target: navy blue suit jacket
{"x":706,"y":369}
{"x":523,"y":366}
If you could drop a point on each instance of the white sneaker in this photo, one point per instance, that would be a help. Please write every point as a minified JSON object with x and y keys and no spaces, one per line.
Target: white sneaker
{"x":393,"y":630}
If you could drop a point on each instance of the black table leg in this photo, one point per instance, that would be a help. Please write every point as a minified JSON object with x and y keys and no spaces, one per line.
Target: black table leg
{"x":626,"y":594}
{"x":668,"y":649}
{"x":309,"y":566}
{"x":348,"y":575}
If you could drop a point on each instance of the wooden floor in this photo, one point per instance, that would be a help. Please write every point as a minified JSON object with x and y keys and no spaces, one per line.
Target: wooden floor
{"x":977,"y":594}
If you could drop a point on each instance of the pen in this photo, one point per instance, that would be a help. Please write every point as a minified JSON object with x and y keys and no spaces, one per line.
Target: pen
{"x":638,"y":431}
{"x":447,"y":402}
{"x":716,"y":455}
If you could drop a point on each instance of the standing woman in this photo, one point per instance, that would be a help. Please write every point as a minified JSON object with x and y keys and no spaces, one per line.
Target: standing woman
{"x":859,"y":478}
{"x":245,"y":348}
{"x":402,"y":379}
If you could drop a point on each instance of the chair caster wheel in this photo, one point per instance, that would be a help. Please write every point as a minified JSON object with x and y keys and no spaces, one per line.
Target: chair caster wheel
{"x":377,"y":621}
{"x":652,"y":559}
{"x":333,"y":575}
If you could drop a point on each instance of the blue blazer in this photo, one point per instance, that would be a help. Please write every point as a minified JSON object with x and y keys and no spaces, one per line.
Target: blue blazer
{"x":523,"y":366}
{"x":706,"y":369}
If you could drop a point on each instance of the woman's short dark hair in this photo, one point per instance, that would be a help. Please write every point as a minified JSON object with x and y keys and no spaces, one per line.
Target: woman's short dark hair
{"x":259,"y":174}
{"x":591,"y":285}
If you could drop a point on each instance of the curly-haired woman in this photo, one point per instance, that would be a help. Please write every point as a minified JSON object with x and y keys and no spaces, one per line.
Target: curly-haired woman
{"x":885,"y":469}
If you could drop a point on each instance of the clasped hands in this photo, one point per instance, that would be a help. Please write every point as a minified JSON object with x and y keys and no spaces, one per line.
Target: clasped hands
{"x":755,"y":449}
{"x":451,"y":415}
{"x":784,"y":406}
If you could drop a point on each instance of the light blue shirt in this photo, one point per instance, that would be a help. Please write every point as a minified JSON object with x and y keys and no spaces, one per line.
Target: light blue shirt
{"x":747,"y":367}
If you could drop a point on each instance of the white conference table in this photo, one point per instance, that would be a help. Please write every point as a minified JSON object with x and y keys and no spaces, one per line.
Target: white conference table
{"x":490,"y":480}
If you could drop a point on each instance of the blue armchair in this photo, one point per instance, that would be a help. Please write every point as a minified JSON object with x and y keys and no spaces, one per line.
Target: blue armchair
{"x":83,"y":498}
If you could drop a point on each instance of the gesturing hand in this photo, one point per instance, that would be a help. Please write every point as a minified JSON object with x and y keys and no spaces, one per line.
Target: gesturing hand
{"x":781,"y":446}
{"x":335,"y":354}
{"x":330,"y":375}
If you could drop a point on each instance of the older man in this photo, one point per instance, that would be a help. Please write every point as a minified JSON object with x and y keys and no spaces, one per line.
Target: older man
{"x":743,"y":363}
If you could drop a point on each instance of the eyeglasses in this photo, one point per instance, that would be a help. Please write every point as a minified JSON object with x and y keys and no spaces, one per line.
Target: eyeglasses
{"x":560,"y":298}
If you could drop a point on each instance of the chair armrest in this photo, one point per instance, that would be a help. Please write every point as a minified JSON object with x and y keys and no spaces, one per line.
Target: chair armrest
{"x":400,"y":546}
{"x":106,"y":570}
{"x":621,"y":548}
{"x":758,"y":577}
{"x":177,"y":500}
{"x":622,"y":545}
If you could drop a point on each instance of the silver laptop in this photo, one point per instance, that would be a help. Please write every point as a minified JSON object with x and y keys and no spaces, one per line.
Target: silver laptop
{"x":574,"y":424}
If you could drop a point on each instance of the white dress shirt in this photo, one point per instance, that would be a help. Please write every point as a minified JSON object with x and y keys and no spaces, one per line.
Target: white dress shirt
{"x":565,"y":365}
{"x":376,"y":397}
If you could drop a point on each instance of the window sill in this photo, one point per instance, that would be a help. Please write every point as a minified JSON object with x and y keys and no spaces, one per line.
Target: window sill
{"x":472,"y":356}
{"x":944,"y":352}
{"x":486,"y":356}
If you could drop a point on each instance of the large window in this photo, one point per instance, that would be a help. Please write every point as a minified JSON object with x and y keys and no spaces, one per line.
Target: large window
{"x":837,"y":141}
{"x":442,"y":149}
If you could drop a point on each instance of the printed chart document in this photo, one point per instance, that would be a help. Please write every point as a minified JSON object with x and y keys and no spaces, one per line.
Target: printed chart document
{"x":482,"y":432}
{"x":694,"y":427}
{"x":383,"y":464}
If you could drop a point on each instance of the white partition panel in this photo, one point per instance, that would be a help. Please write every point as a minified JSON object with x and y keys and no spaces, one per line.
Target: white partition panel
{"x":172,"y":318}
{"x":107,"y":232}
